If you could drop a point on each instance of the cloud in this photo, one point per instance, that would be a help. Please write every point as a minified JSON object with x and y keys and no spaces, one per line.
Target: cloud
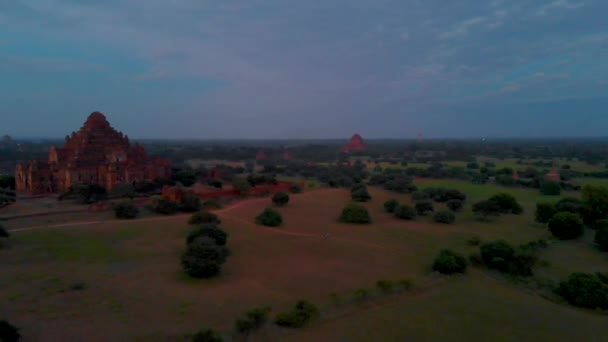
{"x":559,"y":4}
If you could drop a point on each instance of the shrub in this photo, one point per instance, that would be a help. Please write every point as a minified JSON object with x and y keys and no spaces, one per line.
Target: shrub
{"x":212,"y":203}
{"x":253,"y":320}
{"x":122,"y":191}
{"x":444,"y":216}
{"x":207,"y":335}
{"x":449,"y":262}
{"x":385,"y":286}
{"x":595,"y":204}
{"x":485,"y":209}
{"x":355,"y":213}
{"x":544,"y":212}
{"x":203,"y":258}
{"x":8,"y":332}
{"x":507,"y":203}
{"x":299,"y":316}
{"x":406,"y":284}
{"x":280,"y":198}
{"x":584,"y":290}
{"x":78,"y":286}
{"x":391,"y":205}
{"x":362,"y":295}
{"x":361,"y":195}
{"x":295,"y":189}
{"x":474,"y":241}
{"x":550,"y":189}
{"x":566,"y":226}
{"x":418,"y":196}
{"x":601,"y":238}
{"x":405,"y":212}
{"x":570,"y":204}
{"x":125,"y":210}
{"x":164,"y":206}
{"x":209,"y":230}
{"x":424,"y":207}
{"x":497,"y":255}
{"x":204,"y":217}
{"x":454,"y":204}
{"x":270,"y":218}
{"x":190,"y":203}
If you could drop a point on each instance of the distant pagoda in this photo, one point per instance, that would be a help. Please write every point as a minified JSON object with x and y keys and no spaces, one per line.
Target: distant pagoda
{"x":355,"y":143}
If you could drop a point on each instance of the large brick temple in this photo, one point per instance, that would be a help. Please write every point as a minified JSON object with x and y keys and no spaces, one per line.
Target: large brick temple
{"x":96,"y":154}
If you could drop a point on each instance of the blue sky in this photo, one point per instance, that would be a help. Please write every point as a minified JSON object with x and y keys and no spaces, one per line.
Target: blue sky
{"x":305,"y":69}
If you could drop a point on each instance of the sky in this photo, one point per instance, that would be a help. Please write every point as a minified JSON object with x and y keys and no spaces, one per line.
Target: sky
{"x":305,"y":69}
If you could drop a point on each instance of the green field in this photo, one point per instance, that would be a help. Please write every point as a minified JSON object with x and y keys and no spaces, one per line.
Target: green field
{"x":136,"y":291}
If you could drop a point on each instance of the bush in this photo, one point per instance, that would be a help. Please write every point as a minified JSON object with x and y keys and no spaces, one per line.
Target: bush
{"x":424,"y":207}
{"x":164,"y":206}
{"x":8,"y":332}
{"x":204,"y":217}
{"x":566,"y":226}
{"x":497,"y":255}
{"x":584,"y":290}
{"x":418,"y":196}
{"x":550,"y":189}
{"x":454,"y":204}
{"x":544,"y":212}
{"x":449,"y":262}
{"x":355,"y":213}
{"x":601,"y":238}
{"x":125,"y":210}
{"x":122,"y":191}
{"x":299,"y":316}
{"x":203,"y":258}
{"x":280,"y":198}
{"x":295,"y":189}
{"x":385,"y":286}
{"x":253,"y":320}
{"x":362,"y":295}
{"x":485,"y":209}
{"x":4,"y":233}
{"x":391,"y":205}
{"x":270,"y":218}
{"x":361,"y":195}
{"x":209,"y":230}
{"x":190,"y":203}
{"x":405,"y":212}
{"x":444,"y":216}
{"x":595,"y":204}
{"x":207,"y":335}
{"x":474,"y":241}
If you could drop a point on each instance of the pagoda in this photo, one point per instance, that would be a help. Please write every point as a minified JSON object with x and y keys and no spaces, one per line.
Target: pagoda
{"x":355,"y":143}
{"x":95,"y":155}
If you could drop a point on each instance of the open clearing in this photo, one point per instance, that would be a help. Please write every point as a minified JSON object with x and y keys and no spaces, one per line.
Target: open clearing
{"x":136,"y":290}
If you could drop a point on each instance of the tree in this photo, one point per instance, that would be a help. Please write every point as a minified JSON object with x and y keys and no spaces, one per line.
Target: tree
{"x":497,"y":254}
{"x":123,"y":190}
{"x":7,"y":181}
{"x":126,"y":210}
{"x":4,"y":233}
{"x":207,"y":335}
{"x":270,"y":218}
{"x":485,"y":209}
{"x":280,"y":198}
{"x":454,"y":204}
{"x":252,"y":320}
{"x":507,"y":203}
{"x":444,"y":216}
{"x":391,"y":205}
{"x":424,"y":207}
{"x":550,"y":189}
{"x":203,"y":258}
{"x":570,"y":204}
{"x":355,"y":213}
{"x":190,"y":203}
{"x":601,"y":238}
{"x":241,"y":185}
{"x":209,"y":230}
{"x":164,"y":206}
{"x":295,"y":189}
{"x":418,"y":196}
{"x":8,"y":332}
{"x":584,"y":290}
{"x":361,"y":195}
{"x":566,"y":226}
{"x":595,"y":204}
{"x":544,"y":211}
{"x":449,"y":262}
{"x":405,"y":212}
{"x":204,"y":217}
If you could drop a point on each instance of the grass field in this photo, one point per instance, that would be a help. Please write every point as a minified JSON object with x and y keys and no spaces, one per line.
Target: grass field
{"x":136,"y":291}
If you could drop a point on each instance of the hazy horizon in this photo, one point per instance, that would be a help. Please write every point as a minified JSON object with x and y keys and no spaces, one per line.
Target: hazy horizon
{"x":267,"y":69}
